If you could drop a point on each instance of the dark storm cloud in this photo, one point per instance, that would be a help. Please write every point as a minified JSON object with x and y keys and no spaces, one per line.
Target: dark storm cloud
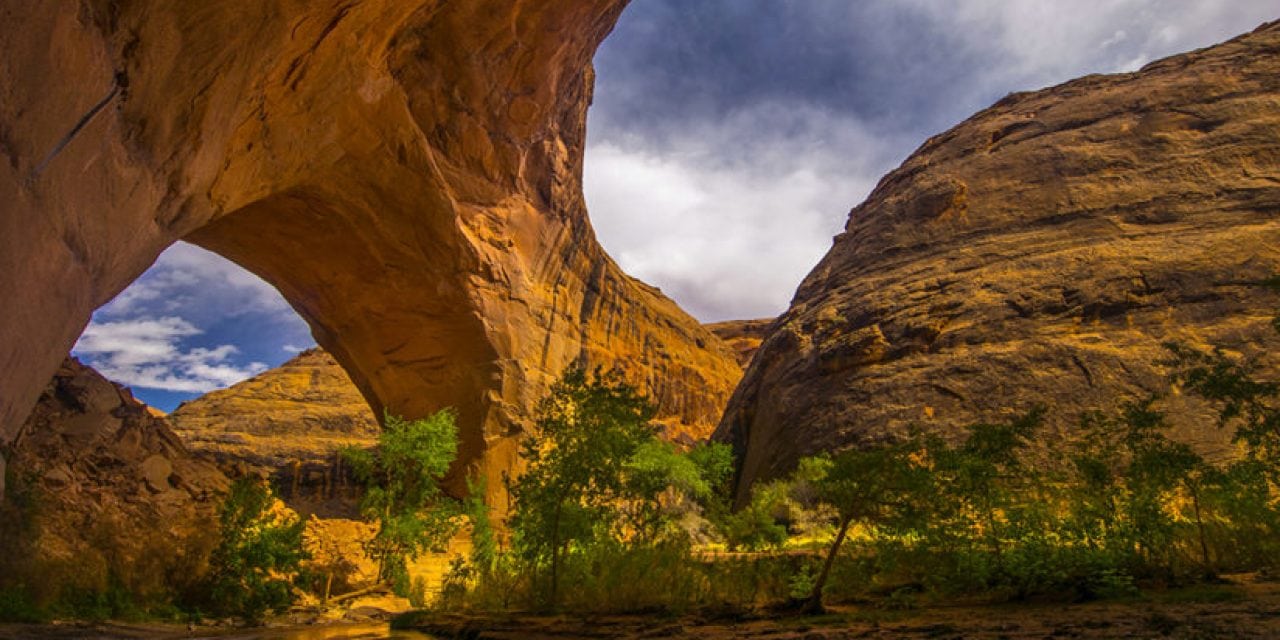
{"x":670,"y":61}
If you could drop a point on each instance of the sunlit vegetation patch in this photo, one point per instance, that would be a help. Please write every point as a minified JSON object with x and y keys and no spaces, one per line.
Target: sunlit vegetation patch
{"x":609,"y":519}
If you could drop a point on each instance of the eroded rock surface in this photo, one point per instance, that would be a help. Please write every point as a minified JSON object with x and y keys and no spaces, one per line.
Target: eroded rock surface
{"x":742,"y":336}
{"x":288,"y":424}
{"x":103,"y":486}
{"x":304,"y":409}
{"x":407,"y":174}
{"x":1041,"y":251}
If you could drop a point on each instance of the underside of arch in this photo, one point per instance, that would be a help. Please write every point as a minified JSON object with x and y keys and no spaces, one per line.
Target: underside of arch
{"x":407,"y":174}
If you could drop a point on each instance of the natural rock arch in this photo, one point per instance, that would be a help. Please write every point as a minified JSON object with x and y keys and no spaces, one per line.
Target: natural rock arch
{"x":408,"y":174}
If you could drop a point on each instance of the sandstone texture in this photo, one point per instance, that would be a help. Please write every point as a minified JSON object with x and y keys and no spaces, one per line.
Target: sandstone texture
{"x":287,"y":424}
{"x":306,"y":409}
{"x":407,"y":174}
{"x":102,"y":485}
{"x":743,"y":337}
{"x":301,"y":411}
{"x":1041,"y":251}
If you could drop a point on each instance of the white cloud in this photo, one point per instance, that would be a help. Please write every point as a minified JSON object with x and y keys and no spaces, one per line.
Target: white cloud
{"x":200,"y":284}
{"x":729,"y":220}
{"x":147,"y":353}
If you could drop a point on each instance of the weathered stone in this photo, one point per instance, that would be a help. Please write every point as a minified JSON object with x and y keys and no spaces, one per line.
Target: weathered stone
{"x":407,"y":174}
{"x":103,"y":496}
{"x":303,"y":411}
{"x":155,"y":470}
{"x":742,"y":336}
{"x":1041,"y":251}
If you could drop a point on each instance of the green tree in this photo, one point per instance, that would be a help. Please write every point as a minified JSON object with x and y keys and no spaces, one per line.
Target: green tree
{"x":873,"y":487}
{"x":981,"y":480}
{"x":401,"y":476}
{"x":758,"y":524}
{"x":1128,"y":472}
{"x":257,"y":556}
{"x":587,"y":435}
{"x":1247,"y":404}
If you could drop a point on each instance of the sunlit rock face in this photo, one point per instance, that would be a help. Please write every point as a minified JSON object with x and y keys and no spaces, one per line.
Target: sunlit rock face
{"x":302,"y":411}
{"x":288,"y":423}
{"x":1041,"y":251}
{"x":112,"y":489}
{"x":407,"y":174}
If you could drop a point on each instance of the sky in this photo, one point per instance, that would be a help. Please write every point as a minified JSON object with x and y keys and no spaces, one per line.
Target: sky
{"x":727,"y":142}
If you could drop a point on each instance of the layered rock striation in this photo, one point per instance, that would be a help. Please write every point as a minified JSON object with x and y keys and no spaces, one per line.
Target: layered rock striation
{"x":407,"y":174}
{"x":1039,"y":252}
{"x":288,"y":424}
{"x":302,"y":411}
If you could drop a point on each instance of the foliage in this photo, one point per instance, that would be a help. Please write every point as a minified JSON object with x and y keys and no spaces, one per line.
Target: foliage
{"x":874,"y":487}
{"x":1002,"y":510}
{"x":402,"y":477}
{"x":758,"y":524}
{"x":484,"y":540}
{"x":257,"y":556}
{"x":601,"y":497}
{"x":17,"y":605}
{"x":588,"y":431}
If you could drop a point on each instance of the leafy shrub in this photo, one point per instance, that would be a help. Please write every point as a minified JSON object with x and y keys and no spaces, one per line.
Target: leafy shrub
{"x":257,"y":557}
{"x":402,"y":491}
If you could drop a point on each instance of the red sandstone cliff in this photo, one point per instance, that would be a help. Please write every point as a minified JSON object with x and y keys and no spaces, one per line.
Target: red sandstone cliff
{"x":1041,"y":251}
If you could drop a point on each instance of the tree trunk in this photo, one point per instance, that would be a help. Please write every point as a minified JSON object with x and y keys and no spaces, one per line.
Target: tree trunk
{"x":814,"y":605}
{"x":1204,"y":544}
{"x":555,"y":556}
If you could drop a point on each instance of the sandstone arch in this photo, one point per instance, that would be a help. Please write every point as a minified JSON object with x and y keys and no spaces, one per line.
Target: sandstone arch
{"x":408,"y":174}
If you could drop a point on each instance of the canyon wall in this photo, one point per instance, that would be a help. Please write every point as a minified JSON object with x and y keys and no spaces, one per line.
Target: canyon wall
{"x":743,"y":337}
{"x":1039,"y":252}
{"x":407,"y":174}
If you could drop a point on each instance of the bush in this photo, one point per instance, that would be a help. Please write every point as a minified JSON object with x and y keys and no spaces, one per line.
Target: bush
{"x":257,"y":557}
{"x":17,"y":605}
{"x":402,"y":491}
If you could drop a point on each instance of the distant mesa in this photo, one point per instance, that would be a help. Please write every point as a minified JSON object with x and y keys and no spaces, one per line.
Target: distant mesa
{"x":305,"y":409}
{"x":742,"y":336}
{"x":289,"y":424}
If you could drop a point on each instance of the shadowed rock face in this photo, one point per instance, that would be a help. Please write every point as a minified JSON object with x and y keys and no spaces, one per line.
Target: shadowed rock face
{"x":113,"y":485}
{"x":1039,"y":252}
{"x":407,"y":174}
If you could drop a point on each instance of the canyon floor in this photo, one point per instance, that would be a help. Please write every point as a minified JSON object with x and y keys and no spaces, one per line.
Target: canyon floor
{"x":1241,"y":607}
